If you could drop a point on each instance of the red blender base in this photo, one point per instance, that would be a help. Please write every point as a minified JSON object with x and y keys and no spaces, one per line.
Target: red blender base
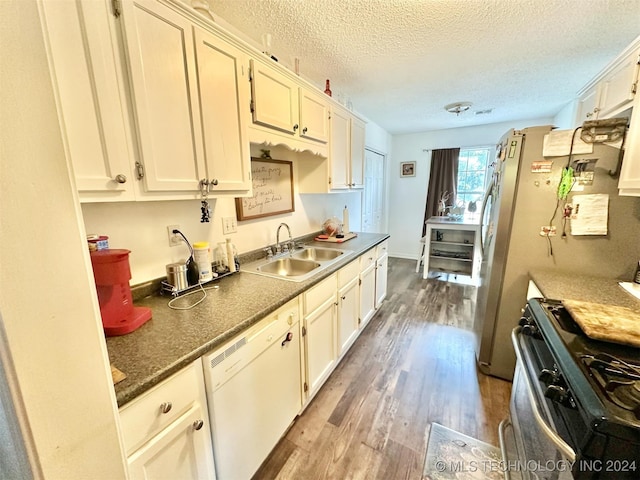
{"x":127,"y":324}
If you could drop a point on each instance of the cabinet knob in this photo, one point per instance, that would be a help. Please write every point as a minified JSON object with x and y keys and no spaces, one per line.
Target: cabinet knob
{"x":120,"y":178}
{"x":304,"y":130}
{"x":198,"y":424}
{"x":166,"y":407}
{"x":214,"y":182}
{"x":295,"y":127}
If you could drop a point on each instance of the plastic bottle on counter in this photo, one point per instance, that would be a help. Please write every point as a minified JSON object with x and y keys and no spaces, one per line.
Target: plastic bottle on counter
{"x":202,"y":256}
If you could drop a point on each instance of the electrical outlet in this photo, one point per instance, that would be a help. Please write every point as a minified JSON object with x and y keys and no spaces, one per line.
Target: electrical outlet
{"x":174,"y":238}
{"x":229,"y":225}
{"x":548,"y":231}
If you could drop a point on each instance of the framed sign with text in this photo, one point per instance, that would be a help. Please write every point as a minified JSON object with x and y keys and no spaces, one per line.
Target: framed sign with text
{"x":272,"y":190}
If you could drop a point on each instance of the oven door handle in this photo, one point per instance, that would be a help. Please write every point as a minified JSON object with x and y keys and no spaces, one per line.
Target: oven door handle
{"x":524,"y":358}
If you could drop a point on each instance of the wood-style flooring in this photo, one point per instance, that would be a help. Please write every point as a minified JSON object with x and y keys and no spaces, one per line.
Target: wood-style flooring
{"x":412,"y":365}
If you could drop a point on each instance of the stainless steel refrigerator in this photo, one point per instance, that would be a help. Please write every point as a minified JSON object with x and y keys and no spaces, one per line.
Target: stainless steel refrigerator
{"x":521,"y":199}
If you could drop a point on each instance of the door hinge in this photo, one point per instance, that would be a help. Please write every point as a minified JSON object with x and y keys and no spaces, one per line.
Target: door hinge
{"x":115,"y":4}
{"x":139,"y":170}
{"x":306,"y":387}
{"x":304,"y":331}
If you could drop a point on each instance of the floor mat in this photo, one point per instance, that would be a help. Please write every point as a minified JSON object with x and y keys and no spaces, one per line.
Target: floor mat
{"x":452,"y":455}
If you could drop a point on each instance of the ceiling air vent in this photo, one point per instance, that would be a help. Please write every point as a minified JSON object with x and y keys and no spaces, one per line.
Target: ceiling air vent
{"x":484,"y":112}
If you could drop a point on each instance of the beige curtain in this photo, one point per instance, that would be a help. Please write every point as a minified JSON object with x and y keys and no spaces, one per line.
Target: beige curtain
{"x":443,"y":178}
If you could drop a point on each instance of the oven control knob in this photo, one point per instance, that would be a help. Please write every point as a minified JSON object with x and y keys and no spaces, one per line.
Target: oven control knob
{"x":557,"y":394}
{"x":524,"y":321}
{"x":548,"y":376}
{"x":530,"y":330}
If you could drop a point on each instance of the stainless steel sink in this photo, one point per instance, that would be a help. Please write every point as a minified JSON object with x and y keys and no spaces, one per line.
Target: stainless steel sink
{"x":318,"y":254}
{"x":288,"y":267}
{"x":298,"y":265}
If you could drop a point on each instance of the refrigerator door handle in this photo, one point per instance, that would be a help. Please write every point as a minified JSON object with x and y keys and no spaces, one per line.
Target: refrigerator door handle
{"x":485,"y":201}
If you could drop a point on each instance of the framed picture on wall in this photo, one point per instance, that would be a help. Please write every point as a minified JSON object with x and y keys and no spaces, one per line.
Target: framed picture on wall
{"x":408,"y":169}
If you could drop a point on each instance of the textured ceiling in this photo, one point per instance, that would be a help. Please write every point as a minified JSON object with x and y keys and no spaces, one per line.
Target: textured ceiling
{"x":401,"y":61}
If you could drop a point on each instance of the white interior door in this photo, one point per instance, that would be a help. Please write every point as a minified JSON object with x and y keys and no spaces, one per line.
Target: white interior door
{"x":373,"y":202}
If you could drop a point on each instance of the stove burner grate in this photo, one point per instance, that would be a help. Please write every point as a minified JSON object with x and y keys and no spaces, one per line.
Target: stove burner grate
{"x":619,"y":380}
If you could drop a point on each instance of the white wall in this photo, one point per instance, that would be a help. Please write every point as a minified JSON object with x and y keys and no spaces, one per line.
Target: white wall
{"x":408,"y":195}
{"x":565,"y":118}
{"x":47,"y":297}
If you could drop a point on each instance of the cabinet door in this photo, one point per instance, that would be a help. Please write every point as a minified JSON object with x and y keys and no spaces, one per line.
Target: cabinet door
{"x":357,"y":154}
{"x":367,"y":293}
{"x":274,"y":99}
{"x":340,"y":154}
{"x":348,"y":313}
{"x":224,"y":95}
{"x":314,"y":116}
{"x":381,"y":279}
{"x":182,"y":450}
{"x":619,"y":87}
{"x":587,"y":105}
{"x":320,"y":342}
{"x":629,"y":183}
{"x":159,"y":46}
{"x":92,"y":108}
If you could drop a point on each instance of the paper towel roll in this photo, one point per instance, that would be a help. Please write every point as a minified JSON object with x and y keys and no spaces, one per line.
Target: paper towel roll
{"x":230,"y":258}
{"x":345,"y":220}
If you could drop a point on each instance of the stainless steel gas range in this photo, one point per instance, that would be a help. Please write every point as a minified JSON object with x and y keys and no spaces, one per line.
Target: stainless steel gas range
{"x":575,"y":402}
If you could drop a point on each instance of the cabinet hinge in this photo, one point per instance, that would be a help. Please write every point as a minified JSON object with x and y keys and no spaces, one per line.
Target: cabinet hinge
{"x":251,"y":106}
{"x":304,"y":331}
{"x":306,"y":387}
{"x":139,"y":170}
{"x":359,"y":281}
{"x":634,"y":88}
{"x":359,"y":320}
{"x":329,"y":180}
{"x":115,"y":4}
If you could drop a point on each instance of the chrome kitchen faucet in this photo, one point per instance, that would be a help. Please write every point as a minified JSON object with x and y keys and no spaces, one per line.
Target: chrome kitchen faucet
{"x":278,"y":247}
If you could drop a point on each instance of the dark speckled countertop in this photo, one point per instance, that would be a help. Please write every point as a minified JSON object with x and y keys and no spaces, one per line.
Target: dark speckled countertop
{"x":174,"y":338}
{"x":586,"y":288}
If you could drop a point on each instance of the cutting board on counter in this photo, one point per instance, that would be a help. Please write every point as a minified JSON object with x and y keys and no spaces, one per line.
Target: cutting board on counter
{"x":606,"y":322}
{"x":347,"y":236}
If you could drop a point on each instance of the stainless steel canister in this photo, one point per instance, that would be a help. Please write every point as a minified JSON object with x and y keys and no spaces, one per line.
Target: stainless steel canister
{"x":177,"y":276}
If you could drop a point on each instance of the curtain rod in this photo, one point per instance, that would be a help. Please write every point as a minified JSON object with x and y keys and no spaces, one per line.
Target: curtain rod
{"x":425,"y":150}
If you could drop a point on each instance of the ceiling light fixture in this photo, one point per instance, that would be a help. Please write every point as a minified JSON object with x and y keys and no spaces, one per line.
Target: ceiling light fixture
{"x":458,"y":107}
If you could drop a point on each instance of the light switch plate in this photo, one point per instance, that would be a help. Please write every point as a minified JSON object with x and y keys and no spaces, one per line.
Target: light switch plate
{"x":229,"y":225}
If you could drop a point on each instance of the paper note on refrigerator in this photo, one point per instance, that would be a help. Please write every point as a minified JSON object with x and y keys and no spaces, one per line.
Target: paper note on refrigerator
{"x":590,"y":214}
{"x":557,"y":143}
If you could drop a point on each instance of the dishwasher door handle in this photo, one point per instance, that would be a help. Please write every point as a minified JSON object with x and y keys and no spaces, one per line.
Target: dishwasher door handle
{"x":287,"y":338}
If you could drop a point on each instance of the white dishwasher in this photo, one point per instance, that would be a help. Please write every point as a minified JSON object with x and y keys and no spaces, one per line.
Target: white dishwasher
{"x":254,"y":392}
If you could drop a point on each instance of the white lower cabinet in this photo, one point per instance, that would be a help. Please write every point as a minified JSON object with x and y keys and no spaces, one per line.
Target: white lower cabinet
{"x":166,"y":431}
{"x":367,"y":287}
{"x":319,"y":306}
{"x":348,"y":306}
{"x":382,"y":264}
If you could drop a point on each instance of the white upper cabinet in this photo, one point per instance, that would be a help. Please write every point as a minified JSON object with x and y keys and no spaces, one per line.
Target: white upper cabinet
{"x":224,"y":96}
{"x":274,"y":99}
{"x":284,"y":112}
{"x":347,"y":150}
{"x":188,"y":89}
{"x":613,"y":90}
{"x":629,"y":183}
{"x":90,"y":93}
{"x":314,"y":116}
{"x":159,"y":45}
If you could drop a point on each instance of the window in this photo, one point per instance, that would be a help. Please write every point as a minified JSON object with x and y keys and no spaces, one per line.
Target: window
{"x":472,"y":175}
